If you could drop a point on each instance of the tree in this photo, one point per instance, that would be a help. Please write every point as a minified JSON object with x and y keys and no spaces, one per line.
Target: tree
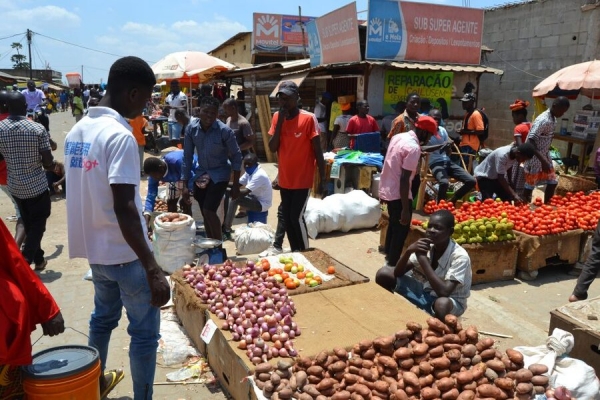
{"x":18,"y":60}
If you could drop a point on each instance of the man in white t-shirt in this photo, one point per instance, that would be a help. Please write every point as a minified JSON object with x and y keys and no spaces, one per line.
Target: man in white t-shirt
{"x":176,"y":100}
{"x":105,"y":224}
{"x":257,"y":195}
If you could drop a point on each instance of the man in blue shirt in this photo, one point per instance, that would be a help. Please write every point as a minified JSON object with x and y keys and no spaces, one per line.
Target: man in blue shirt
{"x":442,"y":167}
{"x":165,"y":169}
{"x":218,"y":154}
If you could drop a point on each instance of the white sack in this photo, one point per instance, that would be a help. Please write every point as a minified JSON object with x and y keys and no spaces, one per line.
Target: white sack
{"x":565,"y":371}
{"x":341,"y":212}
{"x":253,"y":238}
{"x":172,"y":243}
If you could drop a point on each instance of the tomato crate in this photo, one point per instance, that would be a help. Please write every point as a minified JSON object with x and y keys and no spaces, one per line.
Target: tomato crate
{"x":536,"y":252}
{"x":490,"y":262}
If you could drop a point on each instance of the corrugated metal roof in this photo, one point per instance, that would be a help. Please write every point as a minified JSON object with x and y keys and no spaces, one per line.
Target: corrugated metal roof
{"x":232,"y":39}
{"x":294,"y":64}
{"x":480,"y":69}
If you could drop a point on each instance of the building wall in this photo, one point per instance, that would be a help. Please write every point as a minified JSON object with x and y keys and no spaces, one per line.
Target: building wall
{"x":530,"y":42}
{"x":238,"y":52}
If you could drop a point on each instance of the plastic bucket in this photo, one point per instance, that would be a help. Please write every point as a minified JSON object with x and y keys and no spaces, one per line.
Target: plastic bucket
{"x":63,"y":373}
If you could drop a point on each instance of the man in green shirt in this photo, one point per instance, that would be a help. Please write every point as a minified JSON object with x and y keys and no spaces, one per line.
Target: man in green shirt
{"x":77,"y":106}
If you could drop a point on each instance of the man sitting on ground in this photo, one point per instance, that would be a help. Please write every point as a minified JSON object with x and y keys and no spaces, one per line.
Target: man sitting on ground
{"x":442,"y":167}
{"x":434,"y":273}
{"x":257,"y":195}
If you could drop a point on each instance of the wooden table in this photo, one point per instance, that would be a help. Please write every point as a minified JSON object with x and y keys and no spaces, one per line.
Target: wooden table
{"x":585,"y":144}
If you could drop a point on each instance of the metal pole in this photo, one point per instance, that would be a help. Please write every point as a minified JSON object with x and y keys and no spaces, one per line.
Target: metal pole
{"x":302,"y":27}
{"x":82,"y":81}
{"x":30,"y":60}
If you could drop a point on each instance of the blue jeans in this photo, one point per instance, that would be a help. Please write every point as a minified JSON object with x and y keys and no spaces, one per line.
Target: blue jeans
{"x":174,"y":130}
{"x":413,"y":291}
{"x":115,"y":287}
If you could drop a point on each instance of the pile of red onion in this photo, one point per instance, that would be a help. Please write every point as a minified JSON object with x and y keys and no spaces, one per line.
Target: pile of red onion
{"x":253,"y":306}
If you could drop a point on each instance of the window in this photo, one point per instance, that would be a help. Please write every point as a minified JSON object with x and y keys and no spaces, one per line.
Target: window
{"x":244,"y":47}
{"x":233,"y":51}
{"x":225,"y":55}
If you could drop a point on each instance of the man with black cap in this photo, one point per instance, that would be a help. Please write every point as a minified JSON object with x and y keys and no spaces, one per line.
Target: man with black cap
{"x":399,"y":168}
{"x":473,"y":126}
{"x":295,"y":137}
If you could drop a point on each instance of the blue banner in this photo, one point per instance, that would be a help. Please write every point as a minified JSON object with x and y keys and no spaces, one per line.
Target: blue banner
{"x":385,"y":32}
{"x":314,"y":43}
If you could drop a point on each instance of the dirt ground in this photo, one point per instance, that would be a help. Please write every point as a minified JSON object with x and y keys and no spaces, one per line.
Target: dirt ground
{"x":516,"y":308}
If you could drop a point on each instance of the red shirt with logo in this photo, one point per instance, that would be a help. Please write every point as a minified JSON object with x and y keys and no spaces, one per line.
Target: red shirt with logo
{"x":296,"y":156}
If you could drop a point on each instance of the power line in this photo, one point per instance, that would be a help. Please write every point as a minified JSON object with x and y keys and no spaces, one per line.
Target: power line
{"x":78,"y":45}
{"x":12,"y":36}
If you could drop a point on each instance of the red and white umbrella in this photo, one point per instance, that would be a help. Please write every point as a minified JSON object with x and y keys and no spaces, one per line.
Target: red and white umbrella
{"x":583,"y":78}
{"x":189,"y":67}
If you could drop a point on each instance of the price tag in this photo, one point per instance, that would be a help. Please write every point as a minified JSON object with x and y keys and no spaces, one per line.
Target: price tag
{"x":208,"y":331}
{"x":335,"y":170}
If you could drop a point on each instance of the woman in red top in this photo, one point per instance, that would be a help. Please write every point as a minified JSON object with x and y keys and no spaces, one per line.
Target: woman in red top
{"x":522,"y":127}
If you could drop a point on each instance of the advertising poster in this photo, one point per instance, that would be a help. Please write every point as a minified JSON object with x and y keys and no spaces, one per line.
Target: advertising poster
{"x":408,"y":31}
{"x":333,"y":38}
{"x":433,"y":85}
{"x":279,"y":33}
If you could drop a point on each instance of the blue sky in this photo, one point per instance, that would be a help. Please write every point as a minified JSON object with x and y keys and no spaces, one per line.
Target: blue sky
{"x":149,"y":29}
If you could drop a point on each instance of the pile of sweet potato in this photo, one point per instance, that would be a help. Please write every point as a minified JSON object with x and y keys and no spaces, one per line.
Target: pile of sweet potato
{"x":439,"y":361}
{"x":172,"y":217}
{"x":160,"y":205}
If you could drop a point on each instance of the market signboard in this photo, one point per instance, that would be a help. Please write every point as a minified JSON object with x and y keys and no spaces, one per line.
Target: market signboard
{"x":279,"y":33}
{"x":333,"y":38}
{"x":433,"y":85}
{"x":408,"y":31}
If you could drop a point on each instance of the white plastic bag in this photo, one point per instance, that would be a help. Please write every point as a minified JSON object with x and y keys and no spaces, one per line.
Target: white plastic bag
{"x":253,"y":239}
{"x":172,"y":243}
{"x":341,"y":212}
{"x":565,"y":371}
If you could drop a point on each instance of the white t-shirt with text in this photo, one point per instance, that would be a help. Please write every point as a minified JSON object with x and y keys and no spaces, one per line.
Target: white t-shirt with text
{"x":100,"y":151}
{"x":259,"y":185}
{"x":175,"y":100}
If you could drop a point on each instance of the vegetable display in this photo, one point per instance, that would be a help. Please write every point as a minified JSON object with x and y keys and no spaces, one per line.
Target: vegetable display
{"x":585,"y":208}
{"x":172,"y":217}
{"x":254,"y":306}
{"x":439,"y":361}
{"x":160,"y":205}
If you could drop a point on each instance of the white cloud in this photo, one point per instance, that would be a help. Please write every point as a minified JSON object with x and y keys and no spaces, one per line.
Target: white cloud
{"x":149,"y":31}
{"x":51,"y":14}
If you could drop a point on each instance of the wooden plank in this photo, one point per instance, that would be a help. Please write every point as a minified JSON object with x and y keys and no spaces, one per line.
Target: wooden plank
{"x":264,"y":117}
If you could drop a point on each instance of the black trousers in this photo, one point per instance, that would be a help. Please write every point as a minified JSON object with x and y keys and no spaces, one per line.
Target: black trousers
{"x":590,"y":268}
{"x":280,"y":231}
{"x":396,"y":233}
{"x":489,"y":187}
{"x":293,"y":203}
{"x":35,"y":213}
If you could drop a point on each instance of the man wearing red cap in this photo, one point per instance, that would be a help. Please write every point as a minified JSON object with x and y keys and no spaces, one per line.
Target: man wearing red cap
{"x":399,"y":168}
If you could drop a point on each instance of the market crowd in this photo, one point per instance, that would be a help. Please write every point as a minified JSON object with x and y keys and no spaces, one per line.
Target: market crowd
{"x":216,"y":164}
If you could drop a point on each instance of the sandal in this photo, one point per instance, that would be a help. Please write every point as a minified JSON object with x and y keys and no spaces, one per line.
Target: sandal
{"x":112,"y":378}
{"x":41,"y":266}
{"x":241,"y":214}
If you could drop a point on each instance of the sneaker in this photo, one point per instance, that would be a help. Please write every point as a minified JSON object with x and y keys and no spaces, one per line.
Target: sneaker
{"x":227,"y":236}
{"x":41,"y":266}
{"x":271,"y":251}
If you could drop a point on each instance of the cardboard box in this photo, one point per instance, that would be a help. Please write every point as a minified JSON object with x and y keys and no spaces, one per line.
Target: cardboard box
{"x":191,"y":311}
{"x":536,"y":252}
{"x":332,"y":318}
{"x":573,"y":318}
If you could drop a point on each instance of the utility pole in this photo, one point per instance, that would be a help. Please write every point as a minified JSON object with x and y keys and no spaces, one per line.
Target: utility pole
{"x":302,"y":27}
{"x":29,"y":46}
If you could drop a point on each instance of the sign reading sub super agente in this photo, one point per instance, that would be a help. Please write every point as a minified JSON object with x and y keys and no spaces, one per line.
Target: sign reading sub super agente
{"x":402,"y":30}
{"x":433,"y":85}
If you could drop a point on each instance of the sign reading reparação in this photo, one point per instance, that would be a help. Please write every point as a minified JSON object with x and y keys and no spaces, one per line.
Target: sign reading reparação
{"x":402,"y":30}
{"x":433,"y":85}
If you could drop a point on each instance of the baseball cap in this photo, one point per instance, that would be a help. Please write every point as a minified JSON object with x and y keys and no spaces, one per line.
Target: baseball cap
{"x":428,"y":124}
{"x":288,"y":88}
{"x":468,"y":97}
{"x":345,"y":107}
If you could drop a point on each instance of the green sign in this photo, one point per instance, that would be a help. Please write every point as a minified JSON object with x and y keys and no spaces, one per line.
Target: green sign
{"x":433,"y":85}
